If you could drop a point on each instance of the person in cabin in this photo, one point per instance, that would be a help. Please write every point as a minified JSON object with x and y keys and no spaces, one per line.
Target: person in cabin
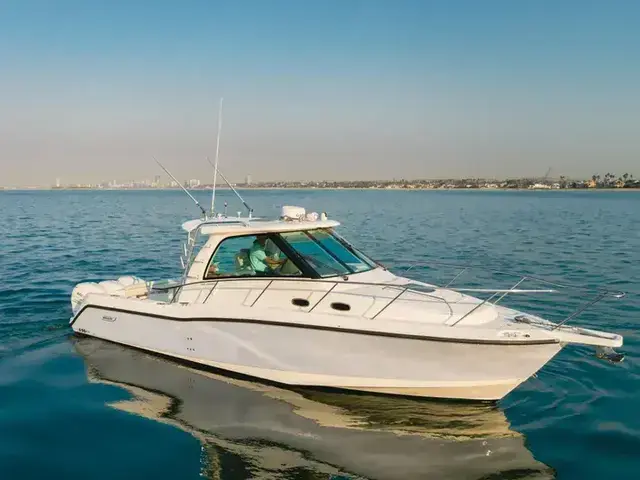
{"x":260,"y":261}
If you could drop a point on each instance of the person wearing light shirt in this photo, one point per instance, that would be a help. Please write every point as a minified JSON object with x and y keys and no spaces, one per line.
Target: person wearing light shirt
{"x":260,"y":261}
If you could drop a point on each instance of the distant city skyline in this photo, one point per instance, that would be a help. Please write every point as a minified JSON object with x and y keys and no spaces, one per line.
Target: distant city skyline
{"x":331,"y":90}
{"x":626,"y":181}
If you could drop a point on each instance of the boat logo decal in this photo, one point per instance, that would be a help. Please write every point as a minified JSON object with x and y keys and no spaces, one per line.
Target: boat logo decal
{"x":512,"y":334}
{"x":108,"y":318}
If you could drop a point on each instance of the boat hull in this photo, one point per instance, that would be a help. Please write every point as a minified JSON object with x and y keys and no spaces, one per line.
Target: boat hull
{"x":297,"y":356}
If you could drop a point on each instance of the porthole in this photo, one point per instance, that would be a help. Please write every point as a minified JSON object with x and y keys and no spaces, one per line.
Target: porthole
{"x":300,"y":302}
{"x":343,"y":307}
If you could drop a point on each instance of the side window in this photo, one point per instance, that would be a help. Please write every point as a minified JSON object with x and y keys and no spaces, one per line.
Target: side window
{"x":248,"y":256}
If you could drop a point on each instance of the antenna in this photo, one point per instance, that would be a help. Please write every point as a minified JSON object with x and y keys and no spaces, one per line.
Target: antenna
{"x":233,"y":189}
{"x":215,"y":167}
{"x":204,"y":212}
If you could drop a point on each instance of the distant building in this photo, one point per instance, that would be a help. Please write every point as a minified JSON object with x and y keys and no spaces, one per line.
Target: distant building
{"x":540,"y":186}
{"x":57,"y":183}
{"x":247,"y":180}
{"x":156,"y":180}
{"x":193,"y":183}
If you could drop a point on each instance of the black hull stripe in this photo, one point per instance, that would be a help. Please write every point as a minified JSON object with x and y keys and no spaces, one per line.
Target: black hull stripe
{"x":320,"y":327}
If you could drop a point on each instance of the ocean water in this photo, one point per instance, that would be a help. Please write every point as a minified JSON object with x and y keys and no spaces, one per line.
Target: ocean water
{"x":83,"y":408}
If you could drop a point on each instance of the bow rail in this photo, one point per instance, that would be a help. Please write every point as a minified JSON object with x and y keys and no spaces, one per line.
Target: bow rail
{"x":468,"y":267}
{"x":599,"y":292}
{"x":425,"y":289}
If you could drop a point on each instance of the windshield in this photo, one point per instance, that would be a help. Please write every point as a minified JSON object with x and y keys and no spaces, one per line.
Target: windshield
{"x":326,"y":254}
{"x":342,"y":252}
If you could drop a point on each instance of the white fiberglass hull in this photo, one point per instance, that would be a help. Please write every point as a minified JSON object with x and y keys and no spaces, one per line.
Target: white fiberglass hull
{"x":302,"y":355}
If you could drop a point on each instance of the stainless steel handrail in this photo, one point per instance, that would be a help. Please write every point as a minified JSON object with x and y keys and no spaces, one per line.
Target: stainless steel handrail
{"x":393,"y":300}
{"x":600,"y":293}
{"x":294,"y":279}
{"x":409,"y":286}
{"x":466,"y":267}
{"x":263,"y":290}
{"x":487,"y":300}
{"x":414,"y":287}
{"x":402,"y":287}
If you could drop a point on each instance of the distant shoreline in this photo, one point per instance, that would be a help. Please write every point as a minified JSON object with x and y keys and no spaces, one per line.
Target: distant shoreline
{"x":474,"y":189}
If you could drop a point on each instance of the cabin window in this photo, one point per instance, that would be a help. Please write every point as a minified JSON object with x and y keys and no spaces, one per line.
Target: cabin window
{"x":249,"y":255}
{"x":319,"y":258}
{"x":342,"y":252}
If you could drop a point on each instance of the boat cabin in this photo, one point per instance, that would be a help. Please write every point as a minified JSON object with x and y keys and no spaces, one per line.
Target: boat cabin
{"x":301,"y":245}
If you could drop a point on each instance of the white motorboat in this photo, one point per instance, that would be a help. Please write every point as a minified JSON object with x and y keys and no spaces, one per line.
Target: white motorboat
{"x":290,"y":301}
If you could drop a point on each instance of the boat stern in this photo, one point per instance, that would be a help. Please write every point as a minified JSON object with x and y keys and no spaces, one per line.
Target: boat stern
{"x":126,"y":286}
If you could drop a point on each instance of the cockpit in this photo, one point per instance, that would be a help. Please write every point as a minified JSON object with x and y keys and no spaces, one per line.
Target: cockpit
{"x":314,"y":253}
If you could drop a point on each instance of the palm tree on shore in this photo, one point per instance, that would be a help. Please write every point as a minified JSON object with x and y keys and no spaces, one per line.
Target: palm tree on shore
{"x":596,"y":179}
{"x":608,"y":178}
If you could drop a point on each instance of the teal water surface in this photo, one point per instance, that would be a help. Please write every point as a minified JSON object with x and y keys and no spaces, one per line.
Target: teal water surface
{"x":83,"y":408}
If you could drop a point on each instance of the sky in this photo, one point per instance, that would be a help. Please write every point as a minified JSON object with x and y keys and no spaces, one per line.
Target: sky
{"x":336,"y":89}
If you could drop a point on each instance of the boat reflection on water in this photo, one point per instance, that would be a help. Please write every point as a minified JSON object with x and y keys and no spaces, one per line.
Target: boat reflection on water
{"x":263,"y":431}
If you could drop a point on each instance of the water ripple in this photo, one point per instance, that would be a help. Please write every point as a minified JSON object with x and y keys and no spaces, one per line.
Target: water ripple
{"x":577,"y":407}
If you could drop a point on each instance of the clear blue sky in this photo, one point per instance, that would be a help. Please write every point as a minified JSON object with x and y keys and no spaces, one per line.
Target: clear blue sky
{"x":318,"y":89}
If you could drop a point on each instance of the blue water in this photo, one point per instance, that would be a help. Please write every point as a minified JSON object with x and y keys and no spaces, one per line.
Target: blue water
{"x":82,"y":408}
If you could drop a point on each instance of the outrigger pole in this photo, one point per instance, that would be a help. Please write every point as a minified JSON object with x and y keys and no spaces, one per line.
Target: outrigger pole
{"x":231,"y":187}
{"x":204,"y":212}
{"x":215,"y":167}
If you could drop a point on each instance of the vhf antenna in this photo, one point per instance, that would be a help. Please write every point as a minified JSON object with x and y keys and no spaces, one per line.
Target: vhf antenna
{"x":215,"y":167}
{"x":233,"y":189}
{"x":204,"y":212}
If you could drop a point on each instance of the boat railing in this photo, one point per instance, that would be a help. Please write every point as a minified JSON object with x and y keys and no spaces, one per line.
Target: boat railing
{"x":425,"y":290}
{"x":415,"y":288}
{"x":596,"y":294}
